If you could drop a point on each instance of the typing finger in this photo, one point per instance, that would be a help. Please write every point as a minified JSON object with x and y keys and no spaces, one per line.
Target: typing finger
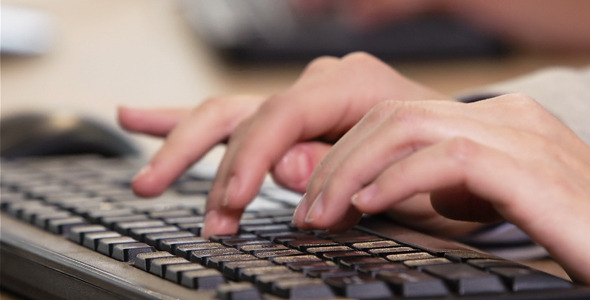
{"x":295,"y":167}
{"x":206,"y":126}
{"x":385,"y":139}
{"x":155,"y":121}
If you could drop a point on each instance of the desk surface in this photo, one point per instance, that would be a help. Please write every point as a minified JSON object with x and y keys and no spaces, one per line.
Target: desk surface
{"x":141,"y":52}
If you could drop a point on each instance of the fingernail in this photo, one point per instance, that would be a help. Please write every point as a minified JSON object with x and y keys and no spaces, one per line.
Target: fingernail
{"x":316,"y":210}
{"x":300,"y":210}
{"x":231,"y":187}
{"x":364,"y":196}
{"x":145,"y":170}
{"x":210,"y":217}
{"x":298,"y":167}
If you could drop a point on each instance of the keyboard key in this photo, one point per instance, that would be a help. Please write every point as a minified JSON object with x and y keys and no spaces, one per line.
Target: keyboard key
{"x":170,"y":245}
{"x":154,"y":239}
{"x":355,"y":262}
{"x":339,"y":255}
{"x":250,"y":274}
{"x":372,"y":270}
{"x":171,"y":214}
{"x":302,"y":288}
{"x":105,"y":246}
{"x":195,"y":227}
{"x":265,"y":228}
{"x":42,"y":219}
{"x":239,"y":291}
{"x":413,"y":283}
{"x":77,"y":233}
{"x":218,"y":262}
{"x":159,"y":265}
{"x":126,"y":227}
{"x":317,"y":266}
{"x":357,"y":239}
{"x":275,"y":253}
{"x":304,"y":244}
{"x":266,"y":282}
{"x":407,"y":256}
{"x":526,"y":279}
{"x":202,"y":256}
{"x":283,"y":260}
{"x":322,"y":250}
{"x":415,"y":263}
{"x":487,"y":263}
{"x":374,"y":244}
{"x":335,"y":272}
{"x":204,"y":279}
{"x":144,"y":260}
{"x":63,"y":226}
{"x":140,"y":233}
{"x":253,"y":249}
{"x":467,"y":280}
{"x":111,"y":221}
{"x":91,"y":240}
{"x":463,"y":255}
{"x":174,"y":272}
{"x":233,"y":270}
{"x":185,"y":250}
{"x":128,"y":251}
{"x":359,"y":287}
{"x":391,"y":250}
{"x":98,"y":215}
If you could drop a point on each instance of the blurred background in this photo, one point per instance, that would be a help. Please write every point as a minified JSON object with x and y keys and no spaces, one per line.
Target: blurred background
{"x":89,"y":56}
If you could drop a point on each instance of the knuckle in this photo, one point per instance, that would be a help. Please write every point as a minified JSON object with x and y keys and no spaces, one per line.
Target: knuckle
{"x":461,"y":150}
{"x":210,"y":105}
{"x":363,"y":59}
{"x":406,"y":115}
{"x":360,"y":57}
{"x":523,"y":102}
{"x":383,"y":110}
{"x":275,"y":104}
{"x":320,"y":63}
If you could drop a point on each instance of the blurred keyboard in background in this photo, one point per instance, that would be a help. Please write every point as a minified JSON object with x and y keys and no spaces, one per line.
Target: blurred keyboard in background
{"x":267,"y":30}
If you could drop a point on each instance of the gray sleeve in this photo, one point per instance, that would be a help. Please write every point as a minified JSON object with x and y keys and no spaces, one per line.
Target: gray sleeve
{"x":562,"y":91}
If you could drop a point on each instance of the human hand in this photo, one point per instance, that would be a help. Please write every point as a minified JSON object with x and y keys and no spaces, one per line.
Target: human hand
{"x":503,"y":158}
{"x":280,"y":133}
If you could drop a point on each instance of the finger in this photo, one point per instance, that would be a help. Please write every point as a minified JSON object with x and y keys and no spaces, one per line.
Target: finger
{"x":361,"y":157}
{"x":373,"y":158}
{"x":221,"y":222}
{"x":207,"y":125}
{"x":335,"y":157}
{"x":458,"y":203}
{"x":282,"y":121}
{"x":157,"y":122}
{"x":294,"y":169}
{"x":482,"y":171}
{"x":300,"y":114}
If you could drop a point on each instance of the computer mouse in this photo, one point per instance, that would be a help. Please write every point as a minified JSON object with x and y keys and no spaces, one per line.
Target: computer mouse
{"x":45,"y":134}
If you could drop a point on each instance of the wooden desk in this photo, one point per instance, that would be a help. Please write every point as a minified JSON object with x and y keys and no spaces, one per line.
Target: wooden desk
{"x":141,"y":52}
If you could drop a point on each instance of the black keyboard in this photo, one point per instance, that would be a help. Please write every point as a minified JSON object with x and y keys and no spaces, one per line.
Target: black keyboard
{"x":72,"y":228}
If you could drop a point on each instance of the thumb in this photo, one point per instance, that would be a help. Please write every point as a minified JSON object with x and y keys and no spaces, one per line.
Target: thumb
{"x":294,"y":169}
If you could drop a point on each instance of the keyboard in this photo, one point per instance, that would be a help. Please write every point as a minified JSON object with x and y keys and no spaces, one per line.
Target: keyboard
{"x":269,"y":31}
{"x":72,"y":228}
